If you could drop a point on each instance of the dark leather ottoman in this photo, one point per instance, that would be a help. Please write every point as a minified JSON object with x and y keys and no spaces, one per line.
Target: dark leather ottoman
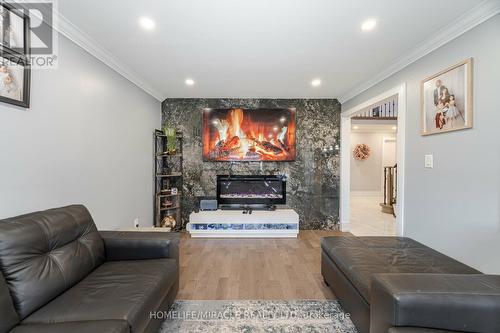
{"x":379,"y":279}
{"x":59,"y":274}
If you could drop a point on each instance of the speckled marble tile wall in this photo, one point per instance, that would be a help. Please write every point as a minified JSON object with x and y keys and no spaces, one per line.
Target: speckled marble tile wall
{"x":313,"y":179}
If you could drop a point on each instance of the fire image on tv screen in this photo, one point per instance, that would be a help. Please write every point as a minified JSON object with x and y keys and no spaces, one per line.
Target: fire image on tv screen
{"x":238,"y":134}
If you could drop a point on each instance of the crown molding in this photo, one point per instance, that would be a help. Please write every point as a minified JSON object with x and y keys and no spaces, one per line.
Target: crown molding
{"x":472,"y":18}
{"x":72,"y":32}
{"x":62,"y":25}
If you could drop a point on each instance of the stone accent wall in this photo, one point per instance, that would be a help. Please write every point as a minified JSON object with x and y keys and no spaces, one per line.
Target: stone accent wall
{"x":313,"y":179}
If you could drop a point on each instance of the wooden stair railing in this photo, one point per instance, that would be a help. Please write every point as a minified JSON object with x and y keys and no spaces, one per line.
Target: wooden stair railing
{"x":390,"y":189}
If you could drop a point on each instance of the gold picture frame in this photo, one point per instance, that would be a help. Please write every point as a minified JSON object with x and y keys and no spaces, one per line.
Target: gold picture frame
{"x":446,"y":100}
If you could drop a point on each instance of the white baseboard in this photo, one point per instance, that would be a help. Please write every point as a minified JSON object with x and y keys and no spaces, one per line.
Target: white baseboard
{"x":367,"y":193}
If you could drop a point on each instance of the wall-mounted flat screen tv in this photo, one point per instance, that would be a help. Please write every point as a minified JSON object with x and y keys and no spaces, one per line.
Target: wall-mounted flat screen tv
{"x":239,"y":134}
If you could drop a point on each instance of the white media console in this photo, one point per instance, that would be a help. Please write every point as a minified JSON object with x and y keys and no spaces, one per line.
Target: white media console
{"x":280,"y":223}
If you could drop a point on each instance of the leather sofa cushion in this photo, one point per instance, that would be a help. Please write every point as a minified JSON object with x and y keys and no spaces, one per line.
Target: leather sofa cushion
{"x":98,"y":326}
{"x":8,"y":315}
{"x":43,"y":254}
{"x":116,"y":290}
{"x":361,"y":257}
{"x":455,"y":302}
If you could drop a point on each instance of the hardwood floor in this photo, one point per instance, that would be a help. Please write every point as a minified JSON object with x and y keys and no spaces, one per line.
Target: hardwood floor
{"x":233,"y":269}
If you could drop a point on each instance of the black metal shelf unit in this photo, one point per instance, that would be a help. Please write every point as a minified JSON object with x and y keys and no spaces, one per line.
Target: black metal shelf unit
{"x":167,"y":176}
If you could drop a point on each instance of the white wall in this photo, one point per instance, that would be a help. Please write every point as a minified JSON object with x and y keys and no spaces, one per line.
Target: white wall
{"x":455,"y":207}
{"x":86,"y":139}
{"x":366,"y":176}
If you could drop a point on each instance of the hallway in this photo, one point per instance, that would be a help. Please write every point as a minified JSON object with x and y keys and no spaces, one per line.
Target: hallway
{"x":368,"y":220}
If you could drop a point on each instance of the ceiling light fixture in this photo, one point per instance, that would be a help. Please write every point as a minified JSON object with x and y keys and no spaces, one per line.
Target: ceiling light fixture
{"x":316,"y":82}
{"x":147,"y":23}
{"x":189,"y":82}
{"x":355,"y":127}
{"x":394,"y":128}
{"x":369,"y":25}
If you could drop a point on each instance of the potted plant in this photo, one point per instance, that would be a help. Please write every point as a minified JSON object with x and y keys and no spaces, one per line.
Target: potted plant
{"x":171,"y":135}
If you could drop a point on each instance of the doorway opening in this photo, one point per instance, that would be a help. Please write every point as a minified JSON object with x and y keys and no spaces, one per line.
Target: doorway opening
{"x":372,"y":166}
{"x":373,"y":176}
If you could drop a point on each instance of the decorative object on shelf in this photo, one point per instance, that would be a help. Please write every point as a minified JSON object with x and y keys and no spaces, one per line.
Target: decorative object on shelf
{"x":171,"y":135}
{"x":167,"y":203}
{"x":168,"y":222}
{"x":361,"y":152}
{"x":168,"y":177}
{"x":166,"y":170}
{"x":15,"y":68}
{"x":169,"y":191}
{"x":446,"y":99}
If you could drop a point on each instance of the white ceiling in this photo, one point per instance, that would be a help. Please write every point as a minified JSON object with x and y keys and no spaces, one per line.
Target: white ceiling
{"x":258,"y":48}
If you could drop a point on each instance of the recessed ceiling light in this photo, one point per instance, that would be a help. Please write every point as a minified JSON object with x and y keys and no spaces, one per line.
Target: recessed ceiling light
{"x":355,"y":127}
{"x":394,"y":127}
{"x":369,"y":25}
{"x":189,"y":82}
{"x":147,"y":23}
{"x":316,"y":82}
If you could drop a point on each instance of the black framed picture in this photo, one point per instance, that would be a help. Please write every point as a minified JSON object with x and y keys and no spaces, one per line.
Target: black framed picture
{"x":15,"y":69}
{"x":15,"y":74}
{"x":14,"y":30}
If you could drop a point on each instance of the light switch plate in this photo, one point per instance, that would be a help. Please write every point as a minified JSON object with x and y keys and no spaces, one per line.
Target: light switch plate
{"x":429,"y":161}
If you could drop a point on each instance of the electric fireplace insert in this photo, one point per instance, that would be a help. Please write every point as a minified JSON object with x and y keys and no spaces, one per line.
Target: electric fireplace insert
{"x":253,"y":192}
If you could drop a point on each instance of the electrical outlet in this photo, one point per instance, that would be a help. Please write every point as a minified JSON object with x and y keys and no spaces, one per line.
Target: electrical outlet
{"x":136,"y":222}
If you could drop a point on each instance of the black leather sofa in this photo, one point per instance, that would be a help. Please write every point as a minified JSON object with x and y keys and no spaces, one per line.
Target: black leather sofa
{"x":397,"y":285}
{"x":59,"y":274}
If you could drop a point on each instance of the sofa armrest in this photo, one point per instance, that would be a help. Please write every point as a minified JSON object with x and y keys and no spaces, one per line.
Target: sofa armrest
{"x":464,"y":302}
{"x":136,"y":245}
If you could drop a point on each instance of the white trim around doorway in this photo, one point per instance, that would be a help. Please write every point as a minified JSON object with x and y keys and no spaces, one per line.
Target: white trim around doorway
{"x":345,"y":157}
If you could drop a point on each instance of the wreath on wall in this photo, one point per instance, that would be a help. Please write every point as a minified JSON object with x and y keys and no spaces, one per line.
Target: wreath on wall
{"x":361,"y":152}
